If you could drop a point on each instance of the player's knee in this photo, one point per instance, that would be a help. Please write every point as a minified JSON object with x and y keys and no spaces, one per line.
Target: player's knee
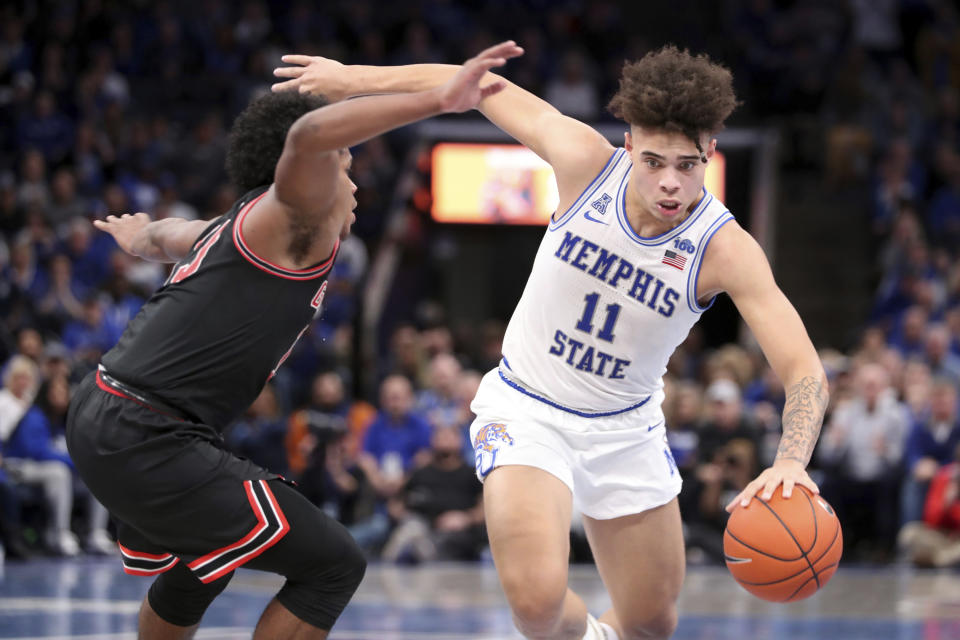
{"x":353,"y":567}
{"x":651,"y":622}
{"x":318,"y":596}
{"x":536,"y":600}
{"x":179,"y":598}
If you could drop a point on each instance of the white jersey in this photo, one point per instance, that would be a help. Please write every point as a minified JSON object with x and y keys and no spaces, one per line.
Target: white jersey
{"x":604,"y":308}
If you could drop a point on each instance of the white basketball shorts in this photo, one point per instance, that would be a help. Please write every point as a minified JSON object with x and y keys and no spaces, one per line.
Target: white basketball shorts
{"x":614,"y":465}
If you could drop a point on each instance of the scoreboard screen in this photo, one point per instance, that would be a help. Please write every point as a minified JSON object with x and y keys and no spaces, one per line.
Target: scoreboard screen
{"x":477,"y":183}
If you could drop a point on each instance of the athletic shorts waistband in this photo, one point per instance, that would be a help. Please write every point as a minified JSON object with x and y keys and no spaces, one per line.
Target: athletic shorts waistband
{"x":518,"y":386}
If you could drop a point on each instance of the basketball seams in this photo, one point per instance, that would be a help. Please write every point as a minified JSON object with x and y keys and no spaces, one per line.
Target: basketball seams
{"x":829,"y":546}
{"x":791,"y":577}
{"x":760,"y":551}
{"x":797,"y":542}
{"x":816,"y":522}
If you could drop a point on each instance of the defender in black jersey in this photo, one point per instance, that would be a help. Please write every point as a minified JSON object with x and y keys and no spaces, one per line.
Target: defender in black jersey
{"x":144,"y":430}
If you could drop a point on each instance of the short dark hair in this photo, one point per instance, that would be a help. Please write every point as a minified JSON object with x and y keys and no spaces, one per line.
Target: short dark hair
{"x":258,"y":135}
{"x":673,"y":90}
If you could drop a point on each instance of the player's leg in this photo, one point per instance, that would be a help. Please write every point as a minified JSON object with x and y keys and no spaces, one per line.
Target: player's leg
{"x":528,"y":523}
{"x":278,"y":622}
{"x":641,"y":561}
{"x":175,"y":603}
{"x":322,"y":564}
{"x":151,"y":626}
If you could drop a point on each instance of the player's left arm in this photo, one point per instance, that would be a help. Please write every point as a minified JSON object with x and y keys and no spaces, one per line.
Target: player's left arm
{"x":735,"y":263}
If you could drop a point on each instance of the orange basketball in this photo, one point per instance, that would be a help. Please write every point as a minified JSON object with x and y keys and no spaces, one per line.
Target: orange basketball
{"x":783,"y":550}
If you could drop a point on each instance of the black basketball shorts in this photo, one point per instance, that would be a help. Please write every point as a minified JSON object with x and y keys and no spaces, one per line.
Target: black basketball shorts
{"x":176,"y":495}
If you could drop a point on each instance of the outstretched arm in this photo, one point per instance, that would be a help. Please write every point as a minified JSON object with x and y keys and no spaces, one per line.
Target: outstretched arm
{"x":571,"y":147}
{"x":735,"y":263}
{"x":317,"y":137}
{"x":166,"y":240}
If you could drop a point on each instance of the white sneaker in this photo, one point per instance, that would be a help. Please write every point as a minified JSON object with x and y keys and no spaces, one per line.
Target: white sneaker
{"x":597,"y":630}
{"x":99,"y":542}
{"x":67,"y":544}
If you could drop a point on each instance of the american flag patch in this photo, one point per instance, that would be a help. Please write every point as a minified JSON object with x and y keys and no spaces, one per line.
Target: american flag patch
{"x":674,"y":259}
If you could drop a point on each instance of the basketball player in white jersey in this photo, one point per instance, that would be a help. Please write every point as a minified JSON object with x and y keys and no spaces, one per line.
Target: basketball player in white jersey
{"x":635,"y":252}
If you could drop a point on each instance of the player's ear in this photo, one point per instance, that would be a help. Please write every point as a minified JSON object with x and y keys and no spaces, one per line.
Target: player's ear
{"x":627,"y":141}
{"x":711,"y":148}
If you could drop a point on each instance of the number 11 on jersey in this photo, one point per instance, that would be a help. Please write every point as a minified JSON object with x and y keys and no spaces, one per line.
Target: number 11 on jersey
{"x":585,"y":323}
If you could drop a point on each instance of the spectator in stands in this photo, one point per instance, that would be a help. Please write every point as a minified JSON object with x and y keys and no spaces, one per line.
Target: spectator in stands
{"x":312,"y":427}
{"x":348,"y":493}
{"x":33,"y":189}
{"x":65,"y":203}
{"x":683,"y":411}
{"x":61,"y":303}
{"x":467,"y":386}
{"x":908,"y":337}
{"x":49,"y":416}
{"x":89,"y":337}
{"x":725,"y":421}
{"x":930,"y":445}
{"x":323,"y":443}
{"x":861,"y":450}
{"x":439,"y":511}
{"x":935,"y":542}
{"x":26,"y":274}
{"x":406,"y":354}
{"x":12,"y":543}
{"x":29,"y":457}
{"x":915,"y":388}
{"x":260,"y":434}
{"x":438,"y":402}
{"x":943,"y":363}
{"x":397,"y":442}
{"x":715,"y":484}
{"x":765,"y":388}
{"x":943,"y":215}
{"x":572,"y":91}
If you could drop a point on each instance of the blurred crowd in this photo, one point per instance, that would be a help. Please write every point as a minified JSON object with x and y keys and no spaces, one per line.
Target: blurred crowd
{"x":114,"y":107}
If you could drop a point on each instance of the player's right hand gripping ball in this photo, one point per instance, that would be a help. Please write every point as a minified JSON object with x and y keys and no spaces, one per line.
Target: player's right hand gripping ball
{"x":783,"y":550}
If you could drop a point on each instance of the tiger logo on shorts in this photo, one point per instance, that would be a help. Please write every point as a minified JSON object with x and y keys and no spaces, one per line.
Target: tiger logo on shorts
{"x":487,"y":444}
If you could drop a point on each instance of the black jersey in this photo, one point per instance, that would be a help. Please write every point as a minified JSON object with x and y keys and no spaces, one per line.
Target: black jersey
{"x":209,"y":339}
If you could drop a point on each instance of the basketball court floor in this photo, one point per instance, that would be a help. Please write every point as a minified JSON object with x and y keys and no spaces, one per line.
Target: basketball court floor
{"x":92,"y":599}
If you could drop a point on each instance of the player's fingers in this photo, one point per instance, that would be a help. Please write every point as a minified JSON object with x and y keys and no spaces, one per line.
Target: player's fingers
{"x":508,"y":49}
{"x":493,"y":50}
{"x":733,"y":504}
{"x":492,"y":89}
{"x":748,"y":492}
{"x":787,"y":487}
{"x":296,"y":58}
{"x":768,"y":488}
{"x":809,"y":484}
{"x":289,"y":85}
{"x":289,"y":72}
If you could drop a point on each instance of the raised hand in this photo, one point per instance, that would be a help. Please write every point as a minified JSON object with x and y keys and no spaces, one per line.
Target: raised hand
{"x":314,"y":74}
{"x":463,"y":91}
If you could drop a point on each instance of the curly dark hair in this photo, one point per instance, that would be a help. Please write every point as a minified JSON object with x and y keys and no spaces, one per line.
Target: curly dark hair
{"x":673,"y":90}
{"x":258,"y":135}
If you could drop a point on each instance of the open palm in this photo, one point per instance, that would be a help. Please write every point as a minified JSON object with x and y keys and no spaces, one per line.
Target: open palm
{"x":464,"y":91}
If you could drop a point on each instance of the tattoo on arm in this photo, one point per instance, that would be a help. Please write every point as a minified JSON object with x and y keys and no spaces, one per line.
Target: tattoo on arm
{"x":802,"y":417}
